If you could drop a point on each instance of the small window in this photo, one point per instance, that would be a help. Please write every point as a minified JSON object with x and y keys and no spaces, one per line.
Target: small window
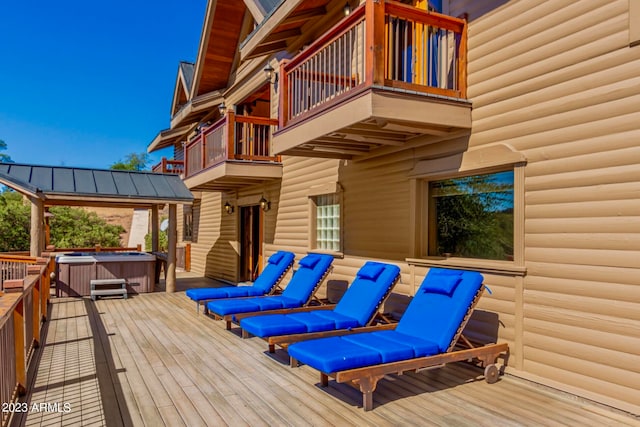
{"x":326,"y":222}
{"x":472,"y":216}
{"x":187,"y":216}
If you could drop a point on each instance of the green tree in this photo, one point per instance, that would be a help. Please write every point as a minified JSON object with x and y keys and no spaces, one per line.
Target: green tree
{"x":475,"y":217}
{"x":4,"y":157}
{"x":77,"y":228}
{"x":132,"y":162}
{"x":15,"y":220}
{"x":70,"y":227}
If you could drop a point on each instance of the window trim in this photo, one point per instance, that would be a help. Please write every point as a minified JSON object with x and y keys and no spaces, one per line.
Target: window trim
{"x":312,"y":194}
{"x":479,"y":161}
{"x":634,"y":23}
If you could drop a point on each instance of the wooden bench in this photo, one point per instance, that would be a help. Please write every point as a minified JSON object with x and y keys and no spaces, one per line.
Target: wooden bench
{"x":102,"y":287}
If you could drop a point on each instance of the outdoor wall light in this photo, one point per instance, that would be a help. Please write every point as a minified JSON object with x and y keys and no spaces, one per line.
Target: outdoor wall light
{"x":270,"y":74}
{"x":346,"y":9}
{"x":228,"y":208}
{"x":265,"y":205}
{"x":222,"y":109}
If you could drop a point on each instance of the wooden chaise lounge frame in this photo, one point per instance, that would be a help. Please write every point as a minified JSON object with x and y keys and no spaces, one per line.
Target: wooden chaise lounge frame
{"x":284,"y":340}
{"x":229,"y":318}
{"x":366,"y":378}
{"x":276,"y":288}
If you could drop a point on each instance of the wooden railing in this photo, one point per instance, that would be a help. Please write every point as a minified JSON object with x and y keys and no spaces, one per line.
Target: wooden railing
{"x":21,"y":316}
{"x":381,"y":43}
{"x":230,"y":138}
{"x":14,"y":267}
{"x":169,"y":166}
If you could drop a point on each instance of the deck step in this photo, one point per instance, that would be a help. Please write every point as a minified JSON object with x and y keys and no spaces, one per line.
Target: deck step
{"x":98,"y":290}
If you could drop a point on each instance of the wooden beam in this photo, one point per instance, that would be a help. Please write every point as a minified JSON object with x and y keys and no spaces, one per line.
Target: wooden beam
{"x":171,"y":250}
{"x":304,"y":15}
{"x":154,"y":229}
{"x":37,"y":226}
{"x":267,"y":48}
{"x":282,"y":35}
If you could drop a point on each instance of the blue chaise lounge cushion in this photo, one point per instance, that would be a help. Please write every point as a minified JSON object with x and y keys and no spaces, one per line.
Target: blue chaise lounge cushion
{"x":297,"y":293}
{"x":355,"y":309}
{"x":427,"y":327}
{"x":276,"y":266}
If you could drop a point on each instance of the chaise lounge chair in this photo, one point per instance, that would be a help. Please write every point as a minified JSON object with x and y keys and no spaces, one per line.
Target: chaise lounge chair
{"x":312,"y":270}
{"x":357,"y":308}
{"x":267,"y":282}
{"x":425,"y":337}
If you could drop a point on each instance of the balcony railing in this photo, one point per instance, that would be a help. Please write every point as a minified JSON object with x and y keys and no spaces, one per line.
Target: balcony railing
{"x":383,"y":44}
{"x":230,"y":138}
{"x":169,"y":166}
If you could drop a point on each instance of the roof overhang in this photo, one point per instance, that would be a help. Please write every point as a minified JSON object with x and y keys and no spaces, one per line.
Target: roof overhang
{"x":197,"y":108}
{"x":168,"y":137}
{"x":281,"y":26}
{"x":57,"y":185}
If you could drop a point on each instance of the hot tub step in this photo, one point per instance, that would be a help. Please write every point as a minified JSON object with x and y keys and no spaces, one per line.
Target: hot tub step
{"x":98,"y":287}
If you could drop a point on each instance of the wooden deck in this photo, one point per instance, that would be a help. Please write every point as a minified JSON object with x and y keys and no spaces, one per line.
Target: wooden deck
{"x":150,"y":360}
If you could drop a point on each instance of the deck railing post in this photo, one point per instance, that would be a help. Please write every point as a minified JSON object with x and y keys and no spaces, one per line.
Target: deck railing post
{"x":374,"y":36}
{"x":462,"y":61}
{"x":203,"y":150}
{"x":283,"y":107}
{"x":19,"y":348}
{"x":230,"y":125}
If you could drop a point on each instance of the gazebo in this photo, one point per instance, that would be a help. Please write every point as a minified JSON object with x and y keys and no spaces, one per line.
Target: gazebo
{"x":46,"y":186}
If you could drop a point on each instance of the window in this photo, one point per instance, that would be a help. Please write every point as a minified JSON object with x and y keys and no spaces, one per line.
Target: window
{"x":472,"y":216}
{"x":187,"y":222}
{"x":326,"y":218}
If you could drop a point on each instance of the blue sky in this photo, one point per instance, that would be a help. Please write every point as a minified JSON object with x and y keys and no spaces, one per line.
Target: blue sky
{"x":84,"y":83}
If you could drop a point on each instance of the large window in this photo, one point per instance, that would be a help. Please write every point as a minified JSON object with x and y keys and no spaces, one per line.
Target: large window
{"x":326,"y":222}
{"x":472,"y":216}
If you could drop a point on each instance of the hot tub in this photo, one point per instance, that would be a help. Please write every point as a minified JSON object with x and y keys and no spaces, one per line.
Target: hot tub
{"x":75,"y":270}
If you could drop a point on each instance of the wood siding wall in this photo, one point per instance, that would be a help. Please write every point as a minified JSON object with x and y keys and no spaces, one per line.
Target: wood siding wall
{"x":557,"y":81}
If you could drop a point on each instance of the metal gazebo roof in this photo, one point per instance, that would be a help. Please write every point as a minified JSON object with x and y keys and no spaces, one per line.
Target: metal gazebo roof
{"x":82,"y":186}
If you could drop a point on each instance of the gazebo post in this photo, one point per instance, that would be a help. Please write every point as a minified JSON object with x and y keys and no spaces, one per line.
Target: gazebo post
{"x":37,"y":227}
{"x":154,"y":228}
{"x":171,"y":250}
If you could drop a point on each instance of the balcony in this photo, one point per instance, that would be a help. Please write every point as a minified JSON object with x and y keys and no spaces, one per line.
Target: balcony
{"x":385,"y":74}
{"x":169,"y":166}
{"x":232,"y":153}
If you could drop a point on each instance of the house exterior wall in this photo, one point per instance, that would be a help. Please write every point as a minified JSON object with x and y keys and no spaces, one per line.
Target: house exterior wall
{"x":558,"y":83}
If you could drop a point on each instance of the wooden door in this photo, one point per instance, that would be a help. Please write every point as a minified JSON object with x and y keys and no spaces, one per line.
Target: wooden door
{"x":250,"y":242}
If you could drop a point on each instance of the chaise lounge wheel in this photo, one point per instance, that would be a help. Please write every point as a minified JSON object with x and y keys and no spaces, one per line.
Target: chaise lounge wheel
{"x":491,"y":373}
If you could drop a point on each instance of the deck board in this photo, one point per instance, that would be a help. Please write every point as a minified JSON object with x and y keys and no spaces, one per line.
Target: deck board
{"x":150,"y":360}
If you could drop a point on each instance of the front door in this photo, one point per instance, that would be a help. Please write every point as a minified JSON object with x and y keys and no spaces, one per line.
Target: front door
{"x":250,"y":242}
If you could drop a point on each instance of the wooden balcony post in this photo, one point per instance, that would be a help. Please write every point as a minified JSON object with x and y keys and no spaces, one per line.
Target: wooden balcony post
{"x":283,"y":107}
{"x":185,"y":156}
{"x":462,"y":62}
{"x":231,"y":135}
{"x":19,"y":347}
{"x":374,"y":30}
{"x":203,"y":151}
